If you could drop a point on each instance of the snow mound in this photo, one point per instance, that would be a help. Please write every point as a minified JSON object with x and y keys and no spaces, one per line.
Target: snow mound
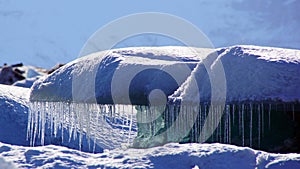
{"x":13,"y":114}
{"x":139,"y":70}
{"x":252,"y":74}
{"x":208,"y":156}
{"x":14,"y":110}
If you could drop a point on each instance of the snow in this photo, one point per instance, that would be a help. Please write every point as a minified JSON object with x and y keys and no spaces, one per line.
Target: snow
{"x":116,"y":124}
{"x":107,"y":70}
{"x":13,"y":114}
{"x":28,"y":82}
{"x":6,"y":165}
{"x":207,"y":156}
{"x":252,"y":74}
{"x":14,"y":103}
{"x":19,"y":75}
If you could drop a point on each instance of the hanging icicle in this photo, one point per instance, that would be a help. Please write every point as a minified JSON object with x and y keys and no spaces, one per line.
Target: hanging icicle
{"x":64,"y":122}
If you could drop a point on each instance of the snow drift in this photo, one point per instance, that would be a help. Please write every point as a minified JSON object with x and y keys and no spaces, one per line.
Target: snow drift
{"x":208,"y":156}
{"x":13,"y":114}
{"x":14,"y":108}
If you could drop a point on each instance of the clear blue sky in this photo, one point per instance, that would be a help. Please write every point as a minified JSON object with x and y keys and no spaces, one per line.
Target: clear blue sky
{"x":44,"y":33}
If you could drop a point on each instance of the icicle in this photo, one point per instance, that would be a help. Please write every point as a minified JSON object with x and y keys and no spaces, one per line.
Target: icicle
{"x":293,"y":111}
{"x":35,"y":124}
{"x":62,"y":120}
{"x":243,"y":125}
{"x":123,"y":121}
{"x":220,"y":110}
{"x":55,"y":122}
{"x":130,"y":125}
{"x":215,"y":123}
{"x":270,"y":107}
{"x":240,"y":119}
{"x":29,"y":122}
{"x":40,"y":121}
{"x":212,"y":121}
{"x":259,"y":124}
{"x":262,"y":120}
{"x":229,"y":126}
{"x":251,"y":124}
{"x":51,"y":112}
{"x":220,"y":136}
{"x":97,"y":122}
{"x":80,"y":119}
{"x":110,"y":113}
{"x":233,"y":110}
{"x":71,"y":122}
{"x":88,"y":124}
{"x":225,"y":124}
{"x":43,"y":119}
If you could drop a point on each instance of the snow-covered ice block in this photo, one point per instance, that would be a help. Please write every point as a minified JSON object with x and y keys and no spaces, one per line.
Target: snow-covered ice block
{"x":66,"y":98}
{"x":252,"y":74}
{"x":110,"y":76}
{"x":255,"y":79}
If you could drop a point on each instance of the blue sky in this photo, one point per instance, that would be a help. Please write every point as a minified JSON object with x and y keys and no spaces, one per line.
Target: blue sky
{"x":44,"y":33}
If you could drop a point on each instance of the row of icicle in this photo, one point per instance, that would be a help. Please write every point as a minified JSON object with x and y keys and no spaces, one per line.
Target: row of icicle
{"x":69,"y":119}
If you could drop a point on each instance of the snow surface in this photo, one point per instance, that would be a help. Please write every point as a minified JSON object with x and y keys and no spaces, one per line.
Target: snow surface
{"x":251,"y":74}
{"x":14,"y":103}
{"x":31,"y":74}
{"x":108,"y":75}
{"x":204,"y":156}
{"x":13,"y":114}
{"x":13,"y":120}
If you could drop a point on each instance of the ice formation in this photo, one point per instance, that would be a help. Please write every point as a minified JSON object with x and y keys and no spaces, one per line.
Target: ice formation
{"x":108,"y":126}
{"x":72,"y":97}
{"x":260,"y":83}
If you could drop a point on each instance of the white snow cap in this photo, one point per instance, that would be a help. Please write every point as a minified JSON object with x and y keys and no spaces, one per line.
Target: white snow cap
{"x":251,"y":74}
{"x":112,"y":76}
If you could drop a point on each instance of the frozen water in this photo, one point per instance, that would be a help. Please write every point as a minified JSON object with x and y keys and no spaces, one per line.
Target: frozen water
{"x":93,"y":120}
